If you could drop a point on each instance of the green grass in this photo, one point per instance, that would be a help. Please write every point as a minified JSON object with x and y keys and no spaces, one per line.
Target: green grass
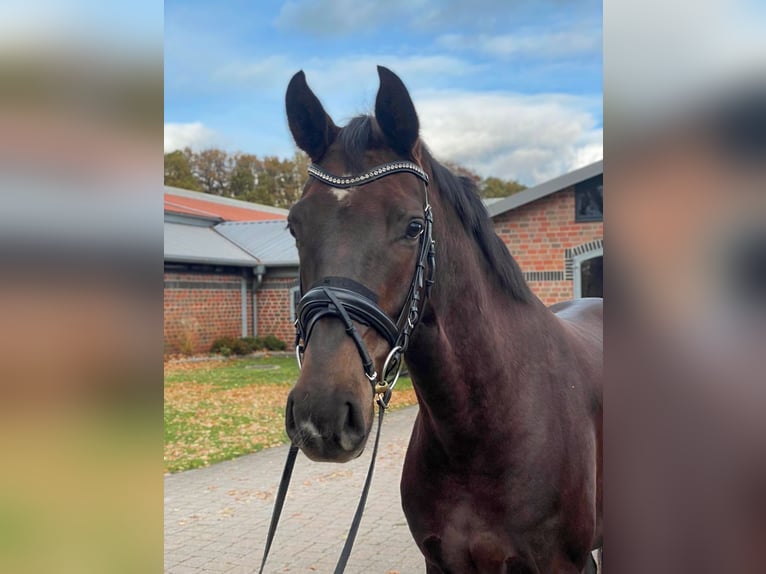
{"x":233,"y":373}
{"x":219,"y":410}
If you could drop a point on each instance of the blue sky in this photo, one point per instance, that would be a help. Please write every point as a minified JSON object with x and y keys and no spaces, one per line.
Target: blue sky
{"x":511,"y":89}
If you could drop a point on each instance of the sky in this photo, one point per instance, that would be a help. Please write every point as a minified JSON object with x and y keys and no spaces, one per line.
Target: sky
{"x":510,"y":89}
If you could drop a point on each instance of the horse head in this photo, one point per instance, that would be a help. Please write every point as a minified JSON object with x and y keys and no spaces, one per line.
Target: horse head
{"x":362,"y":229}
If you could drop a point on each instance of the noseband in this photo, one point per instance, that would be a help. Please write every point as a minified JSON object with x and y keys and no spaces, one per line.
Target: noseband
{"x":352,"y":302}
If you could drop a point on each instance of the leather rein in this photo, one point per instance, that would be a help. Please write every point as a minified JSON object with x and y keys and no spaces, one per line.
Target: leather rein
{"x":352,"y":302}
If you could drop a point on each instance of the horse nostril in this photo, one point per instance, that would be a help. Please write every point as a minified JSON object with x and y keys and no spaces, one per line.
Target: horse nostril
{"x":289,"y":416}
{"x":353,"y":422}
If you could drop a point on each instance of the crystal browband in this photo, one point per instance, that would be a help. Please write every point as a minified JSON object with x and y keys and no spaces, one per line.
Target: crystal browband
{"x":382,"y":170}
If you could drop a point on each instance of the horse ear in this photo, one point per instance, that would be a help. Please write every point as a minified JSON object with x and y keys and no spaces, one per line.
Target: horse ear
{"x":313,"y":130}
{"x":395,"y":113}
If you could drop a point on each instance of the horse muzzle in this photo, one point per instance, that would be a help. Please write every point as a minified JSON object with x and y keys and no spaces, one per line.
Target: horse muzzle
{"x":326,"y":429}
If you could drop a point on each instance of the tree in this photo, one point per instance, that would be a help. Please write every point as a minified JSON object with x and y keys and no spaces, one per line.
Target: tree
{"x":295,"y":178}
{"x":242,"y":180}
{"x":212,"y":168}
{"x":496,"y":187}
{"x":178,"y":171}
{"x":279,"y":182}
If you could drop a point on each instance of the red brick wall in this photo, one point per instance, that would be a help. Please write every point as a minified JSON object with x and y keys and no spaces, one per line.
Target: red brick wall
{"x":551,"y":292}
{"x":201,"y":307}
{"x":539,"y":233}
{"x":274,"y":308}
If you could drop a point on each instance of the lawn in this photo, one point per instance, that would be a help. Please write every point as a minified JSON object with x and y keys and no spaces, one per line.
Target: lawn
{"x":219,"y":410}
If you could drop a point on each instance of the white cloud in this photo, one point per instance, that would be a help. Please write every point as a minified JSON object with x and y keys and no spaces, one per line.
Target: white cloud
{"x":194,"y":135}
{"x":415,"y":71}
{"x":329,"y":18}
{"x":528,"y":43}
{"x":529,"y":138}
{"x":325,"y":75}
{"x":257,"y":72}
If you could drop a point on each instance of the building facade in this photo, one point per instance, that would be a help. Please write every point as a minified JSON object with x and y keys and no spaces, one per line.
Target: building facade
{"x":555,"y":231}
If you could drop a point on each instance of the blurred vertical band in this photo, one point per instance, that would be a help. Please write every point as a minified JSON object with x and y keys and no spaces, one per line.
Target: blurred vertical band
{"x":81,"y":106}
{"x":685,"y":140}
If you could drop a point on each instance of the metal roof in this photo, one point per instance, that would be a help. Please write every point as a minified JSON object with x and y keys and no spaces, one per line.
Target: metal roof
{"x":205,"y":204}
{"x":544,"y":189}
{"x":196,"y":244}
{"x":487,"y":201}
{"x":269,"y":241}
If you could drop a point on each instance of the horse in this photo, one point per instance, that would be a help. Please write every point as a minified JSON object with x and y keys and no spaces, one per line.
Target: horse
{"x":503,"y":472}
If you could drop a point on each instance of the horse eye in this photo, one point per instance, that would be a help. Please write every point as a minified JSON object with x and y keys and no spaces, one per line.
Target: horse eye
{"x":414,"y":229}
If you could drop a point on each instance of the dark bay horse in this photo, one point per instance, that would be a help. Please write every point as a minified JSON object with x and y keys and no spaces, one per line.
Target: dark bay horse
{"x":503,"y":470}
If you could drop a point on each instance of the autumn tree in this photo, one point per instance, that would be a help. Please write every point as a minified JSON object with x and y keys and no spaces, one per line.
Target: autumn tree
{"x":212,"y":168}
{"x":243,"y":177}
{"x":496,"y":187}
{"x":295,"y":178}
{"x":178,"y":171}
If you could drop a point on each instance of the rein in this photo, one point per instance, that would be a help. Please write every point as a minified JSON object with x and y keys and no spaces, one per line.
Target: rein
{"x":352,"y":302}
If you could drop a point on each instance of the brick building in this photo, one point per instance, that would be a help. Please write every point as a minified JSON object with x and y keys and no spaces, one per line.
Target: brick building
{"x":556,"y":233}
{"x":216,"y":282}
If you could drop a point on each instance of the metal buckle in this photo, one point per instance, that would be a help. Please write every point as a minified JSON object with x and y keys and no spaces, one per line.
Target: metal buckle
{"x":387,"y":384}
{"x":298,"y":354}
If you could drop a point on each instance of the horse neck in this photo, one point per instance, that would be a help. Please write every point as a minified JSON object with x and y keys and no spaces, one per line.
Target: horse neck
{"x":472,"y":335}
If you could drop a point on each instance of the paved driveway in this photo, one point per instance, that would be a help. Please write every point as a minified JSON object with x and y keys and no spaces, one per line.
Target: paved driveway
{"x":216,"y":518}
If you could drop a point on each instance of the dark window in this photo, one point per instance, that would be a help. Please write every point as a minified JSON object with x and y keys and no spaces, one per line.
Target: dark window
{"x":592,"y":277}
{"x":589,"y":199}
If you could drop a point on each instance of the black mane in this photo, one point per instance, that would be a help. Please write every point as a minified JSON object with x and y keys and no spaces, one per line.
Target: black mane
{"x":362,"y":134}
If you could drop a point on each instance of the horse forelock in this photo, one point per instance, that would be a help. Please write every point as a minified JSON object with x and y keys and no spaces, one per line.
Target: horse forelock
{"x":356,"y":138}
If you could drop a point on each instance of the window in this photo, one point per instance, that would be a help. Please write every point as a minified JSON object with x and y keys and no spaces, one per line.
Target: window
{"x":588,"y":274}
{"x":592,"y":277}
{"x":589,"y":199}
{"x":295,"y":297}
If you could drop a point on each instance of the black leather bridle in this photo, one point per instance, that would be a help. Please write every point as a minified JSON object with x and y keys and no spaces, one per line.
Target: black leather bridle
{"x":352,"y":302}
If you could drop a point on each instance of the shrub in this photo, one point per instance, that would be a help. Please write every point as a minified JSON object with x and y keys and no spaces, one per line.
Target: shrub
{"x":223,"y":343}
{"x":255,"y":343}
{"x":230,"y":345}
{"x":272,"y":343}
{"x":241,"y":347}
{"x":227,"y":346}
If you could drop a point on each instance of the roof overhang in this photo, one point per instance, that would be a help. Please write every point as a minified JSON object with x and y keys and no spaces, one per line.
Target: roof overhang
{"x":545,"y":189}
{"x":210,"y":261}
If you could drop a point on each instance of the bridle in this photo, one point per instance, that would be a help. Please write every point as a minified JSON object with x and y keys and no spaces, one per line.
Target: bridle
{"x":351,"y":302}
